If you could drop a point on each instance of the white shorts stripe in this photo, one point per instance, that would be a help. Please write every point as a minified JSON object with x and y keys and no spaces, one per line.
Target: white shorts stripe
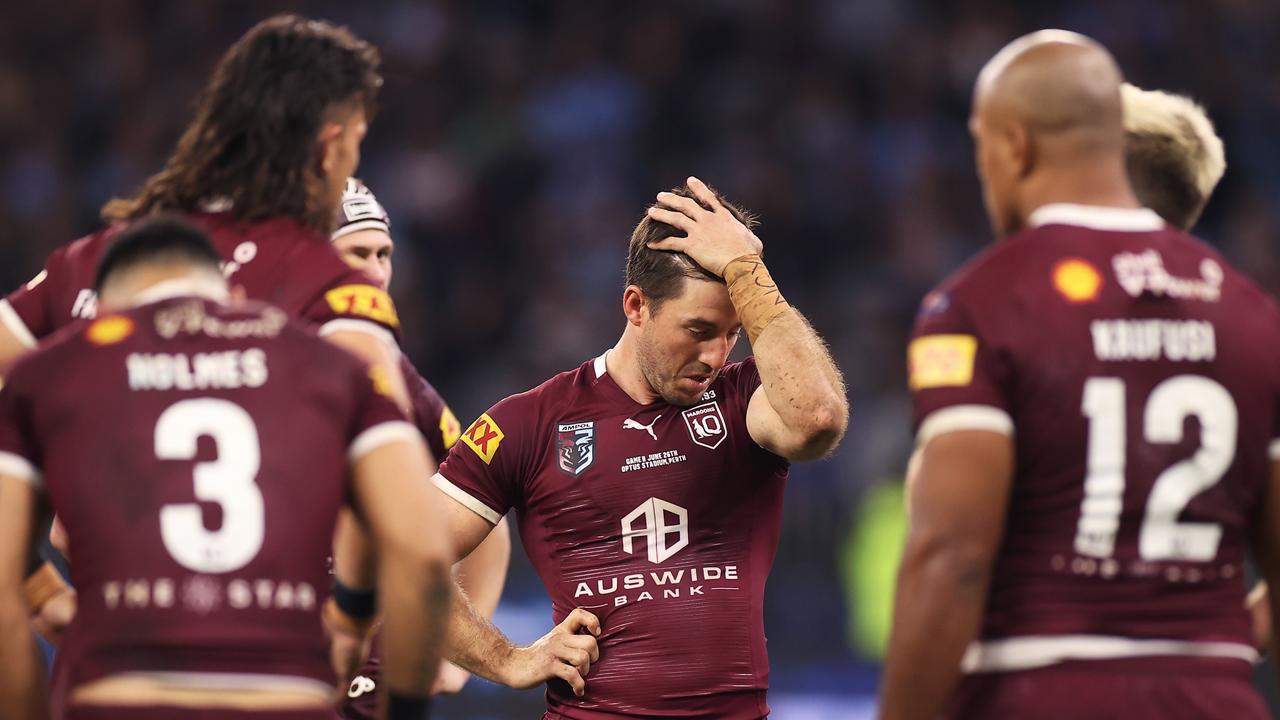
{"x":1036,"y":651}
{"x":364,"y":326}
{"x":466,"y":499}
{"x":229,"y":681}
{"x":21,"y":468}
{"x":382,"y":434}
{"x":1274,"y":449}
{"x":963,"y":417}
{"x":14,"y":323}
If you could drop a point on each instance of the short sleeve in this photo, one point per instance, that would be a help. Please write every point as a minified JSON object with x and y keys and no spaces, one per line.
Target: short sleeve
{"x":28,"y":311}
{"x":487,"y":471}
{"x":742,"y":379}
{"x":354,"y":303}
{"x":435,"y":420}
{"x":957,"y":372}
{"x":375,"y":420}
{"x":19,"y":452}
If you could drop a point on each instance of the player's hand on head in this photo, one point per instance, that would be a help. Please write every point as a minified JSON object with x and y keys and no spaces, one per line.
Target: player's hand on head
{"x":713,"y":237}
{"x":566,"y":653}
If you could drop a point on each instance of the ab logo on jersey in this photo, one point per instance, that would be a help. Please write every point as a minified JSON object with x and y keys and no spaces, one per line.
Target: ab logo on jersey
{"x":706,"y":425}
{"x":363,"y":300}
{"x":941,"y":361}
{"x":109,"y":330}
{"x":1077,"y":280}
{"x":576,"y":446}
{"x":483,"y":436}
{"x":656,"y":529}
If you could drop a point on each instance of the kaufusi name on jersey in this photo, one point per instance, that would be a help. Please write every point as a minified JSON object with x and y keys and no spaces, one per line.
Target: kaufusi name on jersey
{"x":225,"y":370}
{"x":1175,"y":340}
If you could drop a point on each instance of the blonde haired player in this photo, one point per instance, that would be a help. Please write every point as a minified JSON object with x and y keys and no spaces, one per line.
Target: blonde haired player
{"x":1174,"y":157}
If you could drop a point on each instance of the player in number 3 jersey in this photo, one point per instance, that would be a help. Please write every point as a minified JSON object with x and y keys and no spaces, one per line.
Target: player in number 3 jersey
{"x":1096,"y":405}
{"x":198,"y":455}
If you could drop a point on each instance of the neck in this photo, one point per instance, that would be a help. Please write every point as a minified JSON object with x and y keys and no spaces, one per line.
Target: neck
{"x":1089,"y":182}
{"x":623,"y":365}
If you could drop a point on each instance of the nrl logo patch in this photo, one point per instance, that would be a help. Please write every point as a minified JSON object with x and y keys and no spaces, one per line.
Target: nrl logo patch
{"x":576,"y":446}
{"x":706,"y":425}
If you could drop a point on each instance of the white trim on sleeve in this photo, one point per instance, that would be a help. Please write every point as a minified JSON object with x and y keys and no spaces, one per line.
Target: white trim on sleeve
{"x":1036,"y":651}
{"x":382,"y":434}
{"x":963,"y":417}
{"x":21,"y":468}
{"x":353,"y":325}
{"x":1273,"y":451}
{"x":13,"y":321}
{"x":466,"y":499}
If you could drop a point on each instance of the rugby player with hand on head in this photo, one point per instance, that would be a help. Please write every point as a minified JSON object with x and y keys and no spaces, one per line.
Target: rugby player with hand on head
{"x":261,"y":168}
{"x":1097,"y":407}
{"x":172,"y":400}
{"x":363,"y":239}
{"x":648,"y":482}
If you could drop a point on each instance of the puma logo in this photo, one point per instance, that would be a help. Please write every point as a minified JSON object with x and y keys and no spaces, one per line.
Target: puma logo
{"x":361,"y":685}
{"x":630,"y":424}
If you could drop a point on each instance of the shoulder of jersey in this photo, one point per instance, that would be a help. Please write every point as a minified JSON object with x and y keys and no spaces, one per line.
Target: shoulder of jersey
{"x":525,"y":412}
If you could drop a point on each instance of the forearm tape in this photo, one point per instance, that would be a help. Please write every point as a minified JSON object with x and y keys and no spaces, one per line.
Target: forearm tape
{"x":43,"y":585}
{"x":754,"y":294}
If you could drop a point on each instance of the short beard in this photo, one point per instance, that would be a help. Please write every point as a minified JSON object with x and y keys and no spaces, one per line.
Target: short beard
{"x":648,"y":358}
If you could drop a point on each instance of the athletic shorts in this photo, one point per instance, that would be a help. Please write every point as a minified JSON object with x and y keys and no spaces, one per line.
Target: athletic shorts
{"x":1113,"y":690}
{"x":158,"y":712}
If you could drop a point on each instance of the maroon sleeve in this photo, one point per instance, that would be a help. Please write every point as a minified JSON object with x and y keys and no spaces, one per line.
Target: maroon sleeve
{"x":957,"y":370}
{"x":435,"y":420}
{"x":20,"y":454}
{"x":743,"y":378}
{"x":353,"y":302}
{"x":375,"y":420}
{"x":28,"y":311}
{"x":489,"y":470}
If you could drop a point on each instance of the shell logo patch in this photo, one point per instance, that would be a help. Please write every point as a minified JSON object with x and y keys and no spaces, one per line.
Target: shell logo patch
{"x":109,"y":330}
{"x":1077,"y":280}
{"x":941,"y":361}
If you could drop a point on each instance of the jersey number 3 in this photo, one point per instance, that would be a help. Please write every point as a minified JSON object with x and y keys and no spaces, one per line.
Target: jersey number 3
{"x":1161,"y":537}
{"x":227,"y":481}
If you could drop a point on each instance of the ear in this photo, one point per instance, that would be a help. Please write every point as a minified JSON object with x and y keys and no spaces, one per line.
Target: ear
{"x":635,"y":305}
{"x":1022,"y":151}
{"x":329,"y":136}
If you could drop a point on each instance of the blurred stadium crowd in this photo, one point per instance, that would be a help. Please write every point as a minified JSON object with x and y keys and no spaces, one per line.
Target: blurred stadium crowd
{"x":517,"y":143}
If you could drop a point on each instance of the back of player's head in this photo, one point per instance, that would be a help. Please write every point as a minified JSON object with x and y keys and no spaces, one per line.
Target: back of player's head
{"x":252,"y":144}
{"x":159,"y":241}
{"x":1174,"y":157}
{"x":661,"y":273}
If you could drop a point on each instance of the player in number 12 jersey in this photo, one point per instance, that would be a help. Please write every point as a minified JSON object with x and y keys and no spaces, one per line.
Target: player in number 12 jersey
{"x":1096,"y":414}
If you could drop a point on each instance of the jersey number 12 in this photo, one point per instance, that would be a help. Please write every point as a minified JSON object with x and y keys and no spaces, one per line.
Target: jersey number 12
{"x":1161,"y":536}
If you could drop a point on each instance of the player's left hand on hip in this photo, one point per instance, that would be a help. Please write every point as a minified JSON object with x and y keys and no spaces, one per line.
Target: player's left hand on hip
{"x":714,"y":237}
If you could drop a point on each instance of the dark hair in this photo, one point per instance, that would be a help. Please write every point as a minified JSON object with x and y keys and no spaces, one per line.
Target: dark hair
{"x":661,"y":273}
{"x":159,"y":239}
{"x":1163,"y":178}
{"x":252,"y":140}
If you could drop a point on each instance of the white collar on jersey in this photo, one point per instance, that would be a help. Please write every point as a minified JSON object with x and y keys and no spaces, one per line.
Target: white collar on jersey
{"x":1097,"y":217}
{"x":201,"y":287}
{"x":599,"y":366}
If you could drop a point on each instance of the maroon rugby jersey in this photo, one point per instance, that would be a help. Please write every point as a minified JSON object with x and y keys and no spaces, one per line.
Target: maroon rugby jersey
{"x":276,"y":261}
{"x":661,"y":520}
{"x":198,"y":456}
{"x":1139,"y":375}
